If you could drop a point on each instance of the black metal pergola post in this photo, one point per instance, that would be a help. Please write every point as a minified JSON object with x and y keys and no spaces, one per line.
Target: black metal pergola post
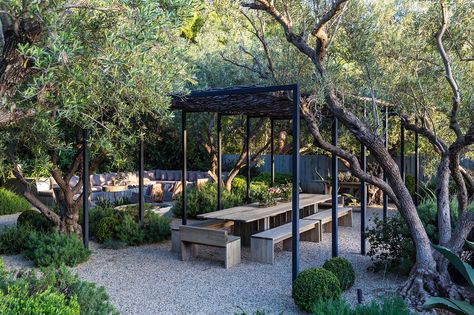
{"x":184,"y":171}
{"x":402,"y":151}
{"x":141,"y":193}
{"x":272,"y":151}
{"x":219,"y":161}
{"x":363,"y":197}
{"x":335,"y":188}
{"x":385,"y":196}
{"x":296,"y":183}
{"x":417,"y":168}
{"x":247,"y":140}
{"x":85,"y":189}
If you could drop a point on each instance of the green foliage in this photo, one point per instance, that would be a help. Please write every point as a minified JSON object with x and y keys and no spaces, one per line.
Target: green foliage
{"x":36,"y":220}
{"x":128,"y":231}
{"x":454,"y":306}
{"x":343,"y":270}
{"x":280,"y":179}
{"x":257,"y":312}
{"x":19,"y":300}
{"x":264,"y":195}
{"x":387,"y":306}
{"x":14,"y":240}
{"x":391,"y":245}
{"x":157,"y":228}
{"x":313,"y":285}
{"x":12,"y":203}
{"x":203,"y":199}
{"x":85,"y":297}
{"x":55,"y":249}
{"x":104,"y":229}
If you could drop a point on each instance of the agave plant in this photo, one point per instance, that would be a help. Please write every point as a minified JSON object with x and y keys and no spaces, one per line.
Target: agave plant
{"x":454,"y":306}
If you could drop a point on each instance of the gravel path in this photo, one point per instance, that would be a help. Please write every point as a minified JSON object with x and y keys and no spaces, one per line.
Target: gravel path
{"x":152,"y":280}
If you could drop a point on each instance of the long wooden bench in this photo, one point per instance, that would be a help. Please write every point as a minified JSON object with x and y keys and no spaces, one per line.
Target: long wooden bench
{"x":196,"y":235}
{"x":344,"y":215}
{"x":262,"y":245}
{"x":211,"y":224}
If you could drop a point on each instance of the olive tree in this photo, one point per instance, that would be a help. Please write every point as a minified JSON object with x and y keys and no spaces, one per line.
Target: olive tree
{"x":106,"y":66}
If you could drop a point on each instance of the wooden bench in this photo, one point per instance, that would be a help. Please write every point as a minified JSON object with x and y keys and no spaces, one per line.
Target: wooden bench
{"x":344,"y":215}
{"x":211,"y":224}
{"x":262,"y":245}
{"x":195,"y":235}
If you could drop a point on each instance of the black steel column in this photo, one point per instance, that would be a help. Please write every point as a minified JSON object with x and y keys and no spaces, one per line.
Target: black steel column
{"x":141,"y":195}
{"x":295,"y":242}
{"x":385,"y":196}
{"x":402,"y":151}
{"x":184,"y":170}
{"x":335,"y":188}
{"x":247,"y":139}
{"x":417,"y":168}
{"x":272,"y":152}
{"x":363,"y":197}
{"x":85,"y":188}
{"x":219,"y":161}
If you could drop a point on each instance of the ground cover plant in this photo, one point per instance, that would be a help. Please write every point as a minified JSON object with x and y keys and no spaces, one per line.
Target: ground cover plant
{"x":12,"y":203}
{"x":386,"y":306}
{"x":56,"y":291}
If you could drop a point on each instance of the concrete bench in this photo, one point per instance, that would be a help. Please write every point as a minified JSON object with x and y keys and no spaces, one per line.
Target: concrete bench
{"x":262,"y":245}
{"x":344,"y":215}
{"x":211,"y":224}
{"x":195,"y":235}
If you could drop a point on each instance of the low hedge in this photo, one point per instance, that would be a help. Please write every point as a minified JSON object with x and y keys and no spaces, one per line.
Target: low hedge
{"x":35,"y":220}
{"x":12,"y":203}
{"x":343,"y":270}
{"x":314,"y":285}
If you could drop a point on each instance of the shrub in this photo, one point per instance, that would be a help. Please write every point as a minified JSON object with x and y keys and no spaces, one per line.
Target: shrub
{"x":19,"y":300}
{"x":12,"y":203}
{"x":313,"y":285}
{"x":85,"y":297}
{"x":96,"y":214}
{"x":129,"y":231}
{"x":203,"y":199}
{"x":55,"y":249}
{"x":13,"y":240}
{"x":157,"y":228}
{"x":387,"y":306}
{"x":36,"y":220}
{"x":105,"y":228}
{"x":343,"y":270}
{"x":280,"y":179}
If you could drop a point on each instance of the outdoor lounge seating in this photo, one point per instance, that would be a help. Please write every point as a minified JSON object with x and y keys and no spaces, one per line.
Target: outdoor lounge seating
{"x":190,"y":236}
{"x":262,"y":245}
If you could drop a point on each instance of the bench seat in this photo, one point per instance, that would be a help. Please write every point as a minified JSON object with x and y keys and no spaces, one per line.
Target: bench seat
{"x":262,"y":245}
{"x":344,"y":215}
{"x":195,"y":235}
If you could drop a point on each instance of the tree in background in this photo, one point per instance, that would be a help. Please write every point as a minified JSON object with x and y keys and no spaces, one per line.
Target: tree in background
{"x":106,"y":66}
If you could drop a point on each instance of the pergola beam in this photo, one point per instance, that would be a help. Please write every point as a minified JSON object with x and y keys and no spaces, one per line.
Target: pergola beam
{"x":335,"y":188}
{"x":85,"y":187}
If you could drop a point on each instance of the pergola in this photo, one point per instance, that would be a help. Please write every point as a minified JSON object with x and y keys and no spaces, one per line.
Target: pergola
{"x":280,"y":102}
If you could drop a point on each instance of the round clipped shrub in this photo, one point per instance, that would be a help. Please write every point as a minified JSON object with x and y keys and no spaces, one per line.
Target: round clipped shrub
{"x":343,"y":270}
{"x":105,"y":228}
{"x":12,"y":203}
{"x":35,"y":220}
{"x":314,"y":285}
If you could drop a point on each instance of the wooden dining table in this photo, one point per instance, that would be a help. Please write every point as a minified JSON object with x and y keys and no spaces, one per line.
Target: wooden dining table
{"x":251,"y":218}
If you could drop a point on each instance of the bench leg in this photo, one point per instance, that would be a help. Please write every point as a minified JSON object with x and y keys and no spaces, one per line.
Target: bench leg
{"x":262,"y":250}
{"x":313,"y":235}
{"x":188,"y":250}
{"x":327,"y":227}
{"x":175,"y":241}
{"x":232,"y":254}
{"x":288,"y":244}
{"x":346,"y":220}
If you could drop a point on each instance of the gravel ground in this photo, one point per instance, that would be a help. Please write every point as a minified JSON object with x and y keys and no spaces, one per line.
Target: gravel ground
{"x":152,"y":280}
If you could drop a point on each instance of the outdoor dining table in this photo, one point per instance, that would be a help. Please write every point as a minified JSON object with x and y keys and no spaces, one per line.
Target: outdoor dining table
{"x":250,"y":219}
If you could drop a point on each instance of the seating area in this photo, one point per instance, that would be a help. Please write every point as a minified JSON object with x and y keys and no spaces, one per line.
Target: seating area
{"x":225,"y":228}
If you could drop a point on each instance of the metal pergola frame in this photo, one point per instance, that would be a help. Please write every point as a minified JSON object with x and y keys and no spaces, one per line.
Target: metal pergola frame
{"x":295,"y":117}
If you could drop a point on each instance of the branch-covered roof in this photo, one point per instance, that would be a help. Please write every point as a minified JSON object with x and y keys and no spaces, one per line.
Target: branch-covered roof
{"x":258,"y":101}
